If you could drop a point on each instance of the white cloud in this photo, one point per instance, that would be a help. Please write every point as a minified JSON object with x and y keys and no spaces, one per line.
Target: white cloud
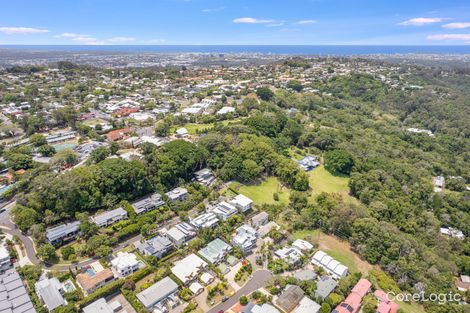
{"x":275,"y":24}
{"x":306,"y":22}
{"x":251,"y":20}
{"x":81,"y":38}
{"x":121,"y":39}
{"x":463,"y":37}
{"x":421,"y":21}
{"x":156,"y":40}
{"x":70,"y":35}
{"x":456,"y":25}
{"x":213,"y":10}
{"x":22,"y":30}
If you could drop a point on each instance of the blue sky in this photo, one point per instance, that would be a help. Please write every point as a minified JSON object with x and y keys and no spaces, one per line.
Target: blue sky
{"x":251,"y":22}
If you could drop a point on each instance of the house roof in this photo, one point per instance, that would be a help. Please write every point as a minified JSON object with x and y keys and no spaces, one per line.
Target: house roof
{"x":325,"y":286}
{"x":88,"y":281}
{"x":307,"y":305}
{"x":362,"y":287}
{"x":186,"y":269}
{"x":13,"y":295}
{"x":48,"y":290}
{"x":157,"y":292}
{"x":290,"y":298}
{"x":103,"y":218}
{"x":61,"y":231}
{"x":214,"y":250}
{"x":99,"y":306}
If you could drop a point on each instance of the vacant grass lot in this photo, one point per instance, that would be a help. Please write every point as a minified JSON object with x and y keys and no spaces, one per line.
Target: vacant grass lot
{"x":323,"y":181}
{"x":263,"y":193}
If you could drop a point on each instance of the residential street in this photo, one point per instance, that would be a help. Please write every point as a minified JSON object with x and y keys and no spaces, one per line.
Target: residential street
{"x":258,"y":280}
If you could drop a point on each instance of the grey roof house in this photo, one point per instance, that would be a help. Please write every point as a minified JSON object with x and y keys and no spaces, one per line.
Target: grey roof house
{"x":148,"y":203}
{"x":325,"y":286}
{"x":13,"y":295}
{"x":157,"y":246}
{"x":109,"y":217}
{"x":57,"y":235}
{"x":50,"y":292}
{"x":159,"y":293}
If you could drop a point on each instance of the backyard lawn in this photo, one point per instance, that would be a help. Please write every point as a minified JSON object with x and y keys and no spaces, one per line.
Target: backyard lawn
{"x":323,"y":181}
{"x":263,"y":192}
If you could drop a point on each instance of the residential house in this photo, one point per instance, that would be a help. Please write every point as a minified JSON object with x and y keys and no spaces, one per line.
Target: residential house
{"x":385,"y":305}
{"x":204,"y":176}
{"x":118,"y":134}
{"x":264,"y":308}
{"x":50,"y":292}
{"x":259,"y":219}
{"x":215,"y":251}
{"x":204,"y":220}
{"x":305,"y":275}
{"x":242,"y":203}
{"x":224,"y":210}
{"x":325,"y":286}
{"x":290,"y":298}
{"x":308,"y":163}
{"x":5,"y":261}
{"x":245,"y":238}
{"x":180,"y":233}
{"x":161,"y":295}
{"x":226,"y":110}
{"x":101,"y":306}
{"x":124,"y":264}
{"x":177,"y":194}
{"x":157,"y":246}
{"x":196,"y":288}
{"x":182,"y":132}
{"x":65,"y":232}
{"x":290,"y":255}
{"x":13,"y":295}
{"x":452,"y":232}
{"x":187,"y":269}
{"x":463,"y":284}
{"x":91,"y":280}
{"x":352,"y":303}
{"x":109,"y":217}
{"x":302,"y":245}
{"x":330,"y":265}
{"x":148,"y":203}
{"x":307,"y":305}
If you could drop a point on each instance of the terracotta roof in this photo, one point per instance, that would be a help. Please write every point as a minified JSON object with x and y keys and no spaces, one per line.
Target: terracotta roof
{"x":88,"y":281}
{"x":362,"y":287}
{"x":118,"y":134}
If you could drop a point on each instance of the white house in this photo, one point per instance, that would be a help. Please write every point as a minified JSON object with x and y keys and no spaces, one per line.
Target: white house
{"x":5,"y":262}
{"x":242,"y":203}
{"x":302,"y":245}
{"x":109,"y":217}
{"x":224,"y":210}
{"x":330,"y":265}
{"x":125,"y":264}
{"x":187,"y":269}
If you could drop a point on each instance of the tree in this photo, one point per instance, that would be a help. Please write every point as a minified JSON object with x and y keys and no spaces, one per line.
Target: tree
{"x":37,"y":140}
{"x":66,"y":252}
{"x":250,"y":170}
{"x":325,"y":308}
{"x":25,"y":217}
{"x":295,"y":85}
{"x":47,"y":252}
{"x":46,"y":150}
{"x":98,"y":155}
{"x":264,"y":93}
{"x":66,"y":157}
{"x":19,"y":161}
{"x":339,"y":162}
{"x":243,"y":300}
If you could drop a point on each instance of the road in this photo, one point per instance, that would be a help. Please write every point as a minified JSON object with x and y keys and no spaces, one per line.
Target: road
{"x":258,"y":280}
{"x":7,"y":226}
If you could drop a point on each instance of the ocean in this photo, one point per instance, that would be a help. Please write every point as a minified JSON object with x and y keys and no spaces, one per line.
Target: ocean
{"x":265,"y":49}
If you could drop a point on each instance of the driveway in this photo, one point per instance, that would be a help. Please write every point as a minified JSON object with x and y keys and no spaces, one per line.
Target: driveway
{"x":258,"y":280}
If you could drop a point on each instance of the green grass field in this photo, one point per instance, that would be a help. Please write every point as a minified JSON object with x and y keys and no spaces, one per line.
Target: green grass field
{"x":323,"y":181}
{"x":193,"y":128}
{"x":263,"y":193}
{"x":306,"y":234}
